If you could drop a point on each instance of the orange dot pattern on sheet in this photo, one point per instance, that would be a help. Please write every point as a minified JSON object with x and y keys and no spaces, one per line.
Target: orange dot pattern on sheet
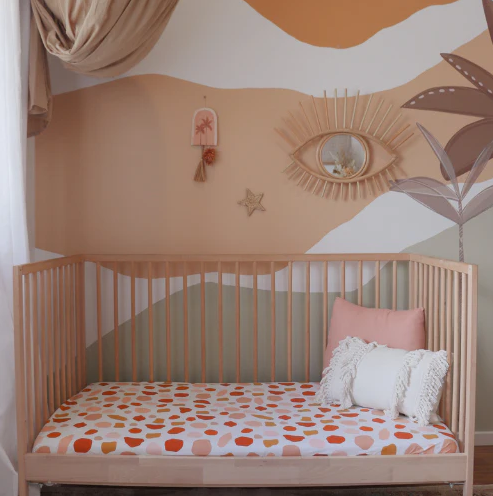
{"x":261,"y":419}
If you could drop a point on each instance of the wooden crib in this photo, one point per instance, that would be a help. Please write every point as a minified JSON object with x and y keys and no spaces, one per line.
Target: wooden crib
{"x":51,"y":320}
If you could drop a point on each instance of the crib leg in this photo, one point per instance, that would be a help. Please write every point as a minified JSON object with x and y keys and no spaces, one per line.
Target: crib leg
{"x":23,"y":487}
{"x":468,"y":487}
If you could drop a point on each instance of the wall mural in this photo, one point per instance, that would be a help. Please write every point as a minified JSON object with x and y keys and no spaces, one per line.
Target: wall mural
{"x":440,"y":198}
{"x":466,"y":144}
{"x":468,"y":150}
{"x":345,"y":148}
{"x":110,"y":197}
{"x":332,"y":23}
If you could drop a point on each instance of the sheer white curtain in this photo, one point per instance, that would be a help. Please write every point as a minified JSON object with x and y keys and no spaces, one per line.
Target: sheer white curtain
{"x":14,"y":248}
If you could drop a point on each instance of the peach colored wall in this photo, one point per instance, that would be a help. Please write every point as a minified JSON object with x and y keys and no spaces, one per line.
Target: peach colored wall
{"x":115,"y":167}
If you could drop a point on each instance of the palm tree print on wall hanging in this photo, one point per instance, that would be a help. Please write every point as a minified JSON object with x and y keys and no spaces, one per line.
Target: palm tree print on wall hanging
{"x":467,"y":143}
{"x":445,"y":201}
{"x":204,"y":134}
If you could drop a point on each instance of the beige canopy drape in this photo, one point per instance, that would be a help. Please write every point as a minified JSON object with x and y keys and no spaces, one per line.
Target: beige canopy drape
{"x":102,"y":38}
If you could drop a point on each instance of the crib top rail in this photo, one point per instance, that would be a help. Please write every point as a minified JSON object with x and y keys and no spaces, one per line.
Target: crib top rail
{"x":250,"y":258}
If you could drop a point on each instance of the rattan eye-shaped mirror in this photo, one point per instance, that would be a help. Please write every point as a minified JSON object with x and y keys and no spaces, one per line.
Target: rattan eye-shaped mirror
{"x":350,"y":155}
{"x":343,"y":155}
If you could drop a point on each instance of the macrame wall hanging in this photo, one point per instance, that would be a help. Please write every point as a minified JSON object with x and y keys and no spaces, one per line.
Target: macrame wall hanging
{"x":204,"y":134}
{"x":352,"y":150}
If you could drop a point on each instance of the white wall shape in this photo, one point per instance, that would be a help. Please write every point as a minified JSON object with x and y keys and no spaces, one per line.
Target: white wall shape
{"x":242,"y":49}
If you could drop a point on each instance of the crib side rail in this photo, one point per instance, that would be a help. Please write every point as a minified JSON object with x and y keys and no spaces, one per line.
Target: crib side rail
{"x":49,"y":341}
{"x":447,"y":291}
{"x":279,"y":321}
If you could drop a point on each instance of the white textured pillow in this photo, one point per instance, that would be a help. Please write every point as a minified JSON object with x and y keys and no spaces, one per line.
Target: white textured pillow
{"x":393,"y":380}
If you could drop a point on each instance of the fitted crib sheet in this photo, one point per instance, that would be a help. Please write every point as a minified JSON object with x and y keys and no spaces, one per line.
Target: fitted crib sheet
{"x":259,"y":419}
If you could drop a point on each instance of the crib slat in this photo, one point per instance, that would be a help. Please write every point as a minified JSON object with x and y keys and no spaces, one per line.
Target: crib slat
{"x":63,"y":333}
{"x":394,"y":285}
{"x":377,"y":284}
{"x":220,"y":317}
{"x":202,"y":318}
{"x":68,"y":328}
{"x":255,"y":323}
{"x":436,"y":310}
{"x":20,"y":365}
{"x":237,"y":303}
{"x":116,"y":322}
{"x":448,"y":386}
{"x":150,"y":311}
{"x":43,"y":342}
{"x":83,"y":320}
{"x":360,"y":282}
{"x":325,"y":305}
{"x":168,"y":323}
{"x":43,"y":378}
{"x":28,"y":359}
{"x":290,"y":320}
{"x":443,"y":335}
{"x":410,"y":270}
{"x":307,"y":323}
{"x":185,"y":321}
{"x":35,"y":343}
{"x":429,"y":317}
{"x":132,"y":316}
{"x":343,"y":277}
{"x":56,"y":314}
{"x":74,"y":329}
{"x":421,"y":290}
{"x":51,"y":391}
{"x":425,"y":305}
{"x":415,"y":284}
{"x":78,"y":328}
{"x":457,"y":357}
{"x":99,"y":320}
{"x":272,"y":322}
{"x":463,"y":362}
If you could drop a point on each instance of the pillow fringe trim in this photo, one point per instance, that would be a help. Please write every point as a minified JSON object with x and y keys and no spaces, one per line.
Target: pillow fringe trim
{"x":431,"y":388}
{"x":403,"y":378}
{"x":349,"y":369}
{"x":345,"y":357}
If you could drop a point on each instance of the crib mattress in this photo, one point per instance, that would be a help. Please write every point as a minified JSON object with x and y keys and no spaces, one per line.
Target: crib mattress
{"x":260,"y":419}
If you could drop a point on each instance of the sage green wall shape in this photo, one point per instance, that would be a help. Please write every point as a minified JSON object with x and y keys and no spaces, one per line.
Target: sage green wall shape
{"x":246,"y":317}
{"x":478,"y":243}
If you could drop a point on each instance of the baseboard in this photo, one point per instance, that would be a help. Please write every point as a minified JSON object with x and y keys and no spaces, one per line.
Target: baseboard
{"x":483,"y":438}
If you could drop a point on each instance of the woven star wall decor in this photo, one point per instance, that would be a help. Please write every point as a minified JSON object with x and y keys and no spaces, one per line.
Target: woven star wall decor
{"x":252,"y":202}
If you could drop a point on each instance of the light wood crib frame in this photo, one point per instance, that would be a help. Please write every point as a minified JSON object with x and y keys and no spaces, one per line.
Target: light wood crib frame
{"x":50,"y":345}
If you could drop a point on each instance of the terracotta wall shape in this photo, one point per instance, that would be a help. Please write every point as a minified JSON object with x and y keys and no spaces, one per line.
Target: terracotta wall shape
{"x":331,"y":23}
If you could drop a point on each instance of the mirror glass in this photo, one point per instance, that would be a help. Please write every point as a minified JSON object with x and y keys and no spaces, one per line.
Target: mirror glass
{"x":343,"y":155}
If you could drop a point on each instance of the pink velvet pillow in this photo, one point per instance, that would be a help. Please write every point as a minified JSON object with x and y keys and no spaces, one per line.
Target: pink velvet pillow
{"x":403,"y":329}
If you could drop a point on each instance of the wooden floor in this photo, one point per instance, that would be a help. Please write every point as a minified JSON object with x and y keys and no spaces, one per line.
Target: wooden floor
{"x":483,"y":465}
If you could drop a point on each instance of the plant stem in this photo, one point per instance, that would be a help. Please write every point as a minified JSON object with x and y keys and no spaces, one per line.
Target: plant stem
{"x":461,"y":233}
{"x":461,"y":242}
